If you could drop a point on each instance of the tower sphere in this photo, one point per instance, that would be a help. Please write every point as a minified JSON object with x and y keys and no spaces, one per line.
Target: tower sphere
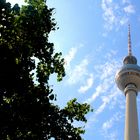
{"x":130,"y":60}
{"x":128,"y":74}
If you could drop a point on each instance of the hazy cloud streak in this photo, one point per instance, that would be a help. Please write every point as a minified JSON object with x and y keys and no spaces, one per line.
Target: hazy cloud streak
{"x":88,"y":84}
{"x":116,"y":14}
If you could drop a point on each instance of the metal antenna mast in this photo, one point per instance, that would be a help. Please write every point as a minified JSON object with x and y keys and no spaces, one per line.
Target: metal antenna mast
{"x":129,"y":41}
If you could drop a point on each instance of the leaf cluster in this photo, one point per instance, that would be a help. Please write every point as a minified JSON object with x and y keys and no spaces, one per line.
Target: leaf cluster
{"x":26,"y":108}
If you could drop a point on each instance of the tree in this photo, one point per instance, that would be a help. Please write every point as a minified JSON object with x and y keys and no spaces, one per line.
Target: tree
{"x":27,"y":110}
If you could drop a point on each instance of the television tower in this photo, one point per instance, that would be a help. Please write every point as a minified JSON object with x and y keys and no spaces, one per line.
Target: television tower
{"x":128,"y":81}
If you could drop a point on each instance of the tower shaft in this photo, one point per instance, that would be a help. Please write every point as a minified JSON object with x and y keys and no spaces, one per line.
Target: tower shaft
{"x":131,"y":119}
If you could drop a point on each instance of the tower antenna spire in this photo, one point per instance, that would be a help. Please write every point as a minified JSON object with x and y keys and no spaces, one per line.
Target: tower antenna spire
{"x":129,"y":41}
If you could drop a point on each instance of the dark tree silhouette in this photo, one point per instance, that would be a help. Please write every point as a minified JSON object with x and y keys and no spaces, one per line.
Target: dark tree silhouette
{"x":27,"y":111}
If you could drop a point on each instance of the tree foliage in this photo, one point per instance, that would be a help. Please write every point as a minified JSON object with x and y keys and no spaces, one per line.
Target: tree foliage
{"x":26,"y":108}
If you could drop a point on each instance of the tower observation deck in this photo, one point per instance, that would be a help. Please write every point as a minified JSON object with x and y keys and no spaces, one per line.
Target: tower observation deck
{"x":128,"y":81}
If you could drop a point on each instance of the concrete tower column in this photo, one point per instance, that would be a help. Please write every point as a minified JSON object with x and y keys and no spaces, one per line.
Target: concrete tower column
{"x":131,"y":119}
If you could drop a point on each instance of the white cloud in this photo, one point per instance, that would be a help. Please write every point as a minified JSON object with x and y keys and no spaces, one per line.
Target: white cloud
{"x":101,"y":88}
{"x":87,"y":85}
{"x":108,"y":15}
{"x":129,"y":9}
{"x":76,"y":72}
{"x":107,"y":70}
{"x":101,"y":108}
{"x":124,"y":20}
{"x":106,"y":74}
{"x":70,"y":56}
{"x":105,"y":101}
{"x":80,"y":70}
{"x":125,"y":1}
{"x":106,"y":93}
{"x":116,"y":14}
{"x":109,"y":124}
{"x":112,"y":136}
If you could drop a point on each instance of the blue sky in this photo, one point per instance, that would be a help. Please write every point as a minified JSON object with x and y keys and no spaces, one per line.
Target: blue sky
{"x":93,"y":40}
